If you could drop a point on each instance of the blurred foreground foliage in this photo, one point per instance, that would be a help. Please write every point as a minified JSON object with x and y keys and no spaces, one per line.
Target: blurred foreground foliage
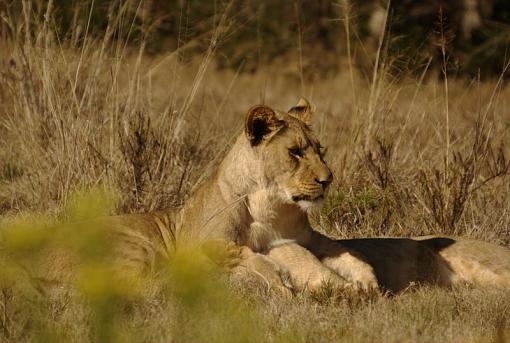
{"x":314,"y":33}
{"x":90,"y":303}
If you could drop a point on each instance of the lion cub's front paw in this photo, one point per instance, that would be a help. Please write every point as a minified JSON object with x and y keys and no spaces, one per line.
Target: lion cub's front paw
{"x":224,"y":253}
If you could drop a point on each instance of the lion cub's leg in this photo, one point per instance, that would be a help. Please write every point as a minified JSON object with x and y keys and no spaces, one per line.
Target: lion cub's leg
{"x":305,"y":270}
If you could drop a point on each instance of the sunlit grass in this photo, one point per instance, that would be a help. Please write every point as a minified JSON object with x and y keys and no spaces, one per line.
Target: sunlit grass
{"x":204,"y":309}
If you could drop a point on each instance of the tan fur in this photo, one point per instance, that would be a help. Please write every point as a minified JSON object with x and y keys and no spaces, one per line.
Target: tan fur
{"x":277,"y":158}
{"x":286,"y":232}
{"x":250,"y":216}
{"x":259,"y":194}
{"x":401,"y":262}
{"x":390,"y":264}
{"x":129,"y":244}
{"x":395,"y":264}
{"x":306,"y":272}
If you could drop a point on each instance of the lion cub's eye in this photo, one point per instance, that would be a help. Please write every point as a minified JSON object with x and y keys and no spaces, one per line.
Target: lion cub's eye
{"x":296,"y":152}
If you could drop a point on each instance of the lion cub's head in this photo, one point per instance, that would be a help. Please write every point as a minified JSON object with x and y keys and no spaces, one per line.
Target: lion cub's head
{"x":292,"y":157}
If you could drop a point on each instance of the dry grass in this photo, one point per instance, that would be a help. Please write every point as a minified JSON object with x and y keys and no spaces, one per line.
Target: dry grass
{"x":85,"y":111}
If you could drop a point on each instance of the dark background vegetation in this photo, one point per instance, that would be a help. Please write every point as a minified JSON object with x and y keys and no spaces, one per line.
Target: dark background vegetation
{"x":477,"y":32}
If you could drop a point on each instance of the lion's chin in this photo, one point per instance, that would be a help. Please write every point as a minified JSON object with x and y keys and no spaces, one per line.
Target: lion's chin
{"x":304,"y":202}
{"x":307,"y":205}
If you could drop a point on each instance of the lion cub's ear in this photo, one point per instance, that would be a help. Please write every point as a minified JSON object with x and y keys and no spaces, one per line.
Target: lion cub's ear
{"x":302,"y":111}
{"x":260,"y":122}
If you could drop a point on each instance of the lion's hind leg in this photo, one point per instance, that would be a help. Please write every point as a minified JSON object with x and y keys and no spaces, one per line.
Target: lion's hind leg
{"x":469,"y":261}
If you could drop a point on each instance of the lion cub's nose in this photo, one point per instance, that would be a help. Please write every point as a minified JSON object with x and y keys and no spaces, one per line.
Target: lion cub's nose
{"x":325,"y":180}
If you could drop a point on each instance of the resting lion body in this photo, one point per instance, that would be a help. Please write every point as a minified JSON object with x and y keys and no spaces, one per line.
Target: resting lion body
{"x":388,"y":264}
{"x":251,"y":216}
{"x":276,"y":154}
{"x":399,"y":263}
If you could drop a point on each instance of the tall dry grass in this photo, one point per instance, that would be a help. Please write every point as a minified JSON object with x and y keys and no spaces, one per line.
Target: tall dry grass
{"x":82,"y":110}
